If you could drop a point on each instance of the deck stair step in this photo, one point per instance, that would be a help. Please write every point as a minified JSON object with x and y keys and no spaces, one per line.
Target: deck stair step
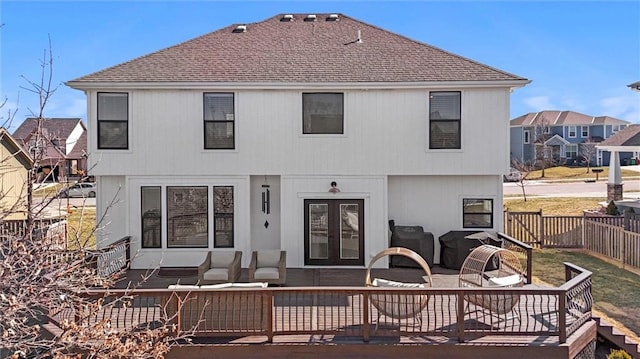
{"x":615,"y":336}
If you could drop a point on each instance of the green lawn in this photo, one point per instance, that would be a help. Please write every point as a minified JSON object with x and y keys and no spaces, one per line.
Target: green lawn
{"x":567,"y":206}
{"x":616,"y":292}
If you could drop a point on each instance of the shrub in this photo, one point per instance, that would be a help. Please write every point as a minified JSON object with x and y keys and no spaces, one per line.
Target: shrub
{"x":612,"y":209}
{"x":618,"y":354}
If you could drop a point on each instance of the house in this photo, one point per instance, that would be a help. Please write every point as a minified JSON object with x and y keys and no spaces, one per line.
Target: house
{"x":625,"y":141}
{"x":62,"y":147}
{"x":303,"y":132}
{"x":14,"y":171}
{"x":567,"y":137}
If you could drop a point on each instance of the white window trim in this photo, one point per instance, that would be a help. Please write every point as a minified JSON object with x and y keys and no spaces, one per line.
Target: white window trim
{"x":526,"y":137}
{"x":575,"y":131}
{"x":582,"y":131}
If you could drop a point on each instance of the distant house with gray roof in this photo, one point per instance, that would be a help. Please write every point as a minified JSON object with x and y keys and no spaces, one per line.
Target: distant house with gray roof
{"x":565,"y":136}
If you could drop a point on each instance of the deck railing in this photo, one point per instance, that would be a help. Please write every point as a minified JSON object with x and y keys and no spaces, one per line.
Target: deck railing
{"x":354,"y":311}
{"x":522,"y":250}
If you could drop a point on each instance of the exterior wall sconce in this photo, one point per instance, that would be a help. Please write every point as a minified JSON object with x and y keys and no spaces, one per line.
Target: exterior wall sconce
{"x":334,"y":187}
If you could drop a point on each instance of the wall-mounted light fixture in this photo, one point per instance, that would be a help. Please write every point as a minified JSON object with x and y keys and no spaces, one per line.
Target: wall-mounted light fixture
{"x":334,"y":187}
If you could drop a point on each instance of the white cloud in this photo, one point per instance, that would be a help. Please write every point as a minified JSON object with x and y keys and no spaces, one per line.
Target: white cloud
{"x":539,"y":103}
{"x":624,"y":106}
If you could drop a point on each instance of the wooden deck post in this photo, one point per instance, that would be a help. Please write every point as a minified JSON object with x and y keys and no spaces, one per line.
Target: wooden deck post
{"x":267,"y":307}
{"x":460,"y":315}
{"x":366,"y":327}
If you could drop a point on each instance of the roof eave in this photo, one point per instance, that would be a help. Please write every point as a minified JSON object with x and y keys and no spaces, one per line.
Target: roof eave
{"x":82,"y":85}
{"x":619,"y":148}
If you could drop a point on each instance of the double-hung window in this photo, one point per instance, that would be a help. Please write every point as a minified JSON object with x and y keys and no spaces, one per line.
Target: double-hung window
{"x":571,"y":151}
{"x":444,"y":120}
{"x":585,"y":131}
{"x":219,"y":121}
{"x":572,"y":131}
{"x":322,"y":113}
{"x":477,"y":213}
{"x":527,"y":137}
{"x":113,"y":121}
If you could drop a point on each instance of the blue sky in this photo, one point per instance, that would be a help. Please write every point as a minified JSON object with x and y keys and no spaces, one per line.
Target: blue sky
{"x":580,"y":55}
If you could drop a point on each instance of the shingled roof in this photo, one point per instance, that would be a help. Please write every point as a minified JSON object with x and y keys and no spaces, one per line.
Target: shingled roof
{"x":628,"y":136}
{"x":331,"y":49}
{"x":564,"y":118}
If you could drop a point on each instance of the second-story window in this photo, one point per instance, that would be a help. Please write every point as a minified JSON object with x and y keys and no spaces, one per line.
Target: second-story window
{"x":585,"y":131}
{"x":527,"y":135}
{"x":322,"y":113}
{"x":219,"y":121}
{"x":444,"y":120}
{"x":572,"y":131}
{"x":113,"y":121}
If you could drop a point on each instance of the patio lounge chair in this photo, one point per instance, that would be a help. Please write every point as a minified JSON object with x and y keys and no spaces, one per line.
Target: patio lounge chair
{"x":268,"y":266}
{"x":220,"y":267}
{"x":476,"y":272}
{"x":399,"y":306}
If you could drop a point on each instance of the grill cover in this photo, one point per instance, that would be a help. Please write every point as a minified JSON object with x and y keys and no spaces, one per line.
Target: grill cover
{"x":414,"y":238}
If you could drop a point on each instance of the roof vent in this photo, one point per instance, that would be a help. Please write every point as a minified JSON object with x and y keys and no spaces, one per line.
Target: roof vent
{"x":287,"y":18}
{"x":332,"y":17}
{"x":310,"y":17}
{"x":240,"y":28}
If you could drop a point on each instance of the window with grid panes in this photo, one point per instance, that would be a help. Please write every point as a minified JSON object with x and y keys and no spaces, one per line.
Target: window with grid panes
{"x":444,"y":120}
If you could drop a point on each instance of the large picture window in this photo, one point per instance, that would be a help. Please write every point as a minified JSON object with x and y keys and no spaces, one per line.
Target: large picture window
{"x":113,"y":120}
{"x":151,"y":216}
{"x":219,"y":121}
{"x":444,"y":120}
{"x":477,"y":213}
{"x":187,"y":217}
{"x":322,"y":113}
{"x":223,"y":216}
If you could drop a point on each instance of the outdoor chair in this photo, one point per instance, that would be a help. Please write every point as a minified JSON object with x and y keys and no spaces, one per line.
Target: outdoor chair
{"x":399,"y":306}
{"x":492,"y":267}
{"x":268,"y":266}
{"x":220,"y":267}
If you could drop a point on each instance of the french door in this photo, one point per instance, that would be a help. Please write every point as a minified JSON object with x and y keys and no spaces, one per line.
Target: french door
{"x":334,"y":232}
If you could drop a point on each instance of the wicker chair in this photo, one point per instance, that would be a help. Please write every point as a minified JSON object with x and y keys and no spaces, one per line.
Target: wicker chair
{"x":220,"y":267}
{"x":268,"y":266}
{"x":508,"y":273}
{"x":399,"y":306}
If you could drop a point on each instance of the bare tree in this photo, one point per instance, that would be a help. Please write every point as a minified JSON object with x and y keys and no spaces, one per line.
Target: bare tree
{"x":543,"y":153}
{"x":46,"y":310}
{"x":588,"y":152}
{"x":525,"y":169}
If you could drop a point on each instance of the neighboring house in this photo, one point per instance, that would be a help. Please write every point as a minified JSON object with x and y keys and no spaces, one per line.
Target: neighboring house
{"x":623,"y":142}
{"x":15,"y":164}
{"x":566,"y":137}
{"x":62,"y":147}
{"x":232,"y":140}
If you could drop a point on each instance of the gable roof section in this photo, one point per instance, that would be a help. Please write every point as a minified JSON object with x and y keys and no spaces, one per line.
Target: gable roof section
{"x":564,"y":118}
{"x":56,"y":127}
{"x":298,"y":51}
{"x":628,"y":136}
{"x":556,"y":140}
{"x":14,"y":147}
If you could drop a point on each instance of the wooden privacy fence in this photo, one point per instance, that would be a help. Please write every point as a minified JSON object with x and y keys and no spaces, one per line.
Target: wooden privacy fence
{"x":616,"y":237}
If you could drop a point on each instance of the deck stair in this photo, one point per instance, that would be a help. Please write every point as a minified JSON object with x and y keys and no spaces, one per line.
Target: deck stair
{"x":615,"y":336}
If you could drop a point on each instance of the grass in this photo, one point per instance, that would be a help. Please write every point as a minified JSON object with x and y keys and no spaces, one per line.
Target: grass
{"x":81,"y":225}
{"x":615,"y":290}
{"x":575,"y":173}
{"x":568,"y":206}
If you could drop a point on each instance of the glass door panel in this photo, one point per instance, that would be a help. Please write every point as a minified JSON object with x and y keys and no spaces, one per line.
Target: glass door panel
{"x":318,"y":235}
{"x":349,"y":232}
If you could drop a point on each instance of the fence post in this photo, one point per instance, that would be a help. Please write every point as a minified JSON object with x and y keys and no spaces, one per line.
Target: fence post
{"x":541,"y":234}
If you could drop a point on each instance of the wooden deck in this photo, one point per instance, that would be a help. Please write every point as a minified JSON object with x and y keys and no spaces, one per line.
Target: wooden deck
{"x":325,"y":312}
